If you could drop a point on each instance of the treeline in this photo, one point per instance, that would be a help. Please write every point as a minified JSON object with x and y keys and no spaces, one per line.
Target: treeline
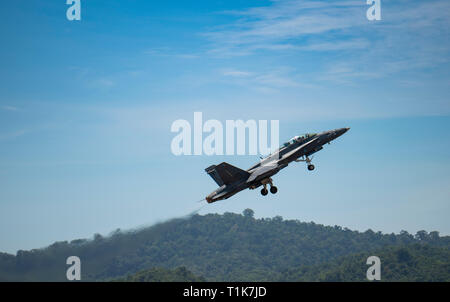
{"x":228,"y":247}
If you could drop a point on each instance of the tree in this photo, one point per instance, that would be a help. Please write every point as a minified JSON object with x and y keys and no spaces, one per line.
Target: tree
{"x":403,"y":255}
{"x":421,"y":235}
{"x":248,"y":213}
{"x":434,"y":235}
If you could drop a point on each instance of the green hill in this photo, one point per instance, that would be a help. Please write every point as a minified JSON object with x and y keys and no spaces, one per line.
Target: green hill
{"x":418,"y":262}
{"x":228,"y":247}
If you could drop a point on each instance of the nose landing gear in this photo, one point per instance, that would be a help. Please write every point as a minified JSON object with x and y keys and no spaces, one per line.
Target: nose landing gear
{"x":308,"y":162}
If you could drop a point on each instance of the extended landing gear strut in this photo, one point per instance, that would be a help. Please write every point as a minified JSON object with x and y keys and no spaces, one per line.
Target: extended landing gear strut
{"x":308,"y":162}
{"x":264,"y":190}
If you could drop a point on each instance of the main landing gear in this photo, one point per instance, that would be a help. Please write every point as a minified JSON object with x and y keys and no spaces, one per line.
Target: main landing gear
{"x":308,"y":162}
{"x":264,"y":190}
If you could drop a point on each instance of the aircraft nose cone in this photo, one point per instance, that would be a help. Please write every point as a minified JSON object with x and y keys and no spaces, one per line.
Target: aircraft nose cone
{"x":341,"y":131}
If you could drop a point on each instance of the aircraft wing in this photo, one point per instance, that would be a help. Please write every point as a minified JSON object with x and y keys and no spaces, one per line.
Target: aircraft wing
{"x":261,"y":170}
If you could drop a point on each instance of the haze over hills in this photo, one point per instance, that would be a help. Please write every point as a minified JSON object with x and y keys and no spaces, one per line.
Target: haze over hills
{"x":234,"y":247}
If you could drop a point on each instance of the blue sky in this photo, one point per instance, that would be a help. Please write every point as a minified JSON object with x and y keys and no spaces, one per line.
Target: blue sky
{"x":86,"y":108}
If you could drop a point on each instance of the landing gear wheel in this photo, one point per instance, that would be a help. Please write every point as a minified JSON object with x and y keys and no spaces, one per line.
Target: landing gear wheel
{"x":310,"y":167}
{"x":264,"y":192}
{"x":273,"y":189}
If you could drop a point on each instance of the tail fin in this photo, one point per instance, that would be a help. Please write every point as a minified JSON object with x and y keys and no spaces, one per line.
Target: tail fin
{"x":225,"y":174}
{"x":211,"y":170}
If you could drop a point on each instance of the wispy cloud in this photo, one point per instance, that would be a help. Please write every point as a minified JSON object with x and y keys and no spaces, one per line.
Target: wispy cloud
{"x":237,"y":73}
{"x":337,"y":45}
{"x":13,"y":134}
{"x":103,"y":83}
{"x":168,"y":52}
{"x":9,"y":108}
{"x":412,"y":35}
{"x":272,"y":26}
{"x":264,"y":81}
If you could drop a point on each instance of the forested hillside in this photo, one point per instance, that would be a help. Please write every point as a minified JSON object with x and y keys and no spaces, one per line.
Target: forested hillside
{"x":228,"y":247}
{"x":418,"y":262}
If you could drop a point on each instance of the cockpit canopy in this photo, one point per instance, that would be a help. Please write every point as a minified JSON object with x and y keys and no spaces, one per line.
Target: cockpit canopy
{"x":298,"y":139}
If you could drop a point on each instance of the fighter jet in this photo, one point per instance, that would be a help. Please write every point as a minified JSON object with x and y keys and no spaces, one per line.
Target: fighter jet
{"x":232,"y":180}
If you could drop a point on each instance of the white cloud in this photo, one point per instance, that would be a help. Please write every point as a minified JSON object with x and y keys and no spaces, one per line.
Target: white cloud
{"x":268,"y":81}
{"x":236,"y":73}
{"x":104,"y":83}
{"x":168,"y":52}
{"x":9,"y":108}
{"x":337,"y":45}
{"x":413,"y":35}
{"x":267,"y":27}
{"x":13,"y":134}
